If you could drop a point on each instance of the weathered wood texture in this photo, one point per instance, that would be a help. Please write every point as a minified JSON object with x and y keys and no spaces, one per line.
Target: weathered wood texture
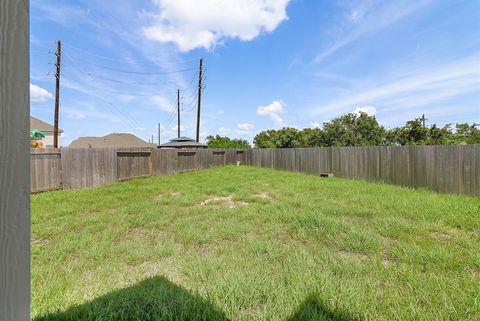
{"x":186,"y":161}
{"x":133,"y":163}
{"x":445,"y":169}
{"x":45,"y":169}
{"x":14,"y":162}
{"x":164,"y":162}
{"x":87,"y":167}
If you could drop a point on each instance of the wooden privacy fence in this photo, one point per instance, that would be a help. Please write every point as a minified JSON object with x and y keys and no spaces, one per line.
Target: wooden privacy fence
{"x":446,"y":169}
{"x":68,"y":168}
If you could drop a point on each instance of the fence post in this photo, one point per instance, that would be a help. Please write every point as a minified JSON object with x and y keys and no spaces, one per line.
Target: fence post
{"x":150,"y":163}
{"x":15,"y":162}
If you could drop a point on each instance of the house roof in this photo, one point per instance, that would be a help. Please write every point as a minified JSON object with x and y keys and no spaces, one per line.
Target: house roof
{"x":42,"y":126}
{"x":182,"y":142}
{"x":183,"y":139}
{"x":115,"y":140}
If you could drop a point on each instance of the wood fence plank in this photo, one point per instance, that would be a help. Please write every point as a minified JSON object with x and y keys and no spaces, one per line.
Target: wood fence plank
{"x":14,"y":153}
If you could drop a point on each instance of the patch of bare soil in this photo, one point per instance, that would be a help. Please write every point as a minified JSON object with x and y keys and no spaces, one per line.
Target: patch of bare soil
{"x":105,"y":211}
{"x":165,"y":266}
{"x":446,"y":235}
{"x":162,"y":195}
{"x":40,"y":241}
{"x":386,"y":259}
{"x":346,"y":255}
{"x":137,"y":234}
{"x":223,"y":200}
{"x":262,"y":195}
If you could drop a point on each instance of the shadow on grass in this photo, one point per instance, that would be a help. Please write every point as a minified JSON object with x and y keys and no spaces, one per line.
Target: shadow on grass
{"x":152,"y":299}
{"x":313,"y":309}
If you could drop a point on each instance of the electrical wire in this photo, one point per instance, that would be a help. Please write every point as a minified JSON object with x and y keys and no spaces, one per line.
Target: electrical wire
{"x":128,"y":71}
{"x":127,"y":116}
{"x":122,"y":92}
{"x":119,"y":60}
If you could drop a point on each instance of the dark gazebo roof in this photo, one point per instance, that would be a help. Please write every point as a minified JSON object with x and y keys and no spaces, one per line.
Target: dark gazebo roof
{"x":182,"y":142}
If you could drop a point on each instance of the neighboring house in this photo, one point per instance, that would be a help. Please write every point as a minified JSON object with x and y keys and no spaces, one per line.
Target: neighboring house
{"x":45,"y":128}
{"x":182,"y":142}
{"x":115,"y":140}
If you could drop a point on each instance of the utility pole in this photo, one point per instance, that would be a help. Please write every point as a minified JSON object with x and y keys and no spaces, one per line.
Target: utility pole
{"x":57,"y":93}
{"x":199,"y":98}
{"x":152,"y":139}
{"x":158,"y":133}
{"x":178,"y":113}
{"x":423,"y":120}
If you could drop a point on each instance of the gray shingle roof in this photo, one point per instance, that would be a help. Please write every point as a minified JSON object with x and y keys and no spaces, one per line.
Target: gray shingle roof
{"x":115,"y":140}
{"x":182,"y":142}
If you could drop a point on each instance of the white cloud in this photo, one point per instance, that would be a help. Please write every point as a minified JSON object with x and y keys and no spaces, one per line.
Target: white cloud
{"x":315,"y":124}
{"x":273,"y":110}
{"x":39,"y":95}
{"x":366,"y":23}
{"x":85,"y":111}
{"x":76,"y":116}
{"x":220,"y":112}
{"x":162,"y":103}
{"x":369,"y":110}
{"x":356,"y":14}
{"x":223,"y":130}
{"x":194,"y":24}
{"x":419,"y":87}
{"x":245,"y":127}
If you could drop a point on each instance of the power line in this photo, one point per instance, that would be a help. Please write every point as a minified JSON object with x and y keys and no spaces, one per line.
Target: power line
{"x":92,"y":75}
{"x":130,"y":71}
{"x":120,"y":60}
{"x":127,"y":93}
{"x":127,"y":116}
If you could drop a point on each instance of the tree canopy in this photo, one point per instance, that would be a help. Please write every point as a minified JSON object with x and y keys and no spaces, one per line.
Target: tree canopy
{"x":360,"y":129}
{"x":226,"y":142}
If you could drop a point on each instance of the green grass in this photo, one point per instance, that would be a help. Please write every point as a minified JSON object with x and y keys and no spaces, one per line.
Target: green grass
{"x":244,"y":243}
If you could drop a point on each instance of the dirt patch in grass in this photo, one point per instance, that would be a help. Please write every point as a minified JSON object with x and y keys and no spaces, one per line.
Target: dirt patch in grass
{"x":352,"y":256}
{"x":160,"y":196}
{"x":222,"y":201}
{"x":101,"y":212}
{"x":166,"y":266}
{"x":387,"y":260}
{"x":445,"y":235}
{"x":205,"y":249}
{"x":262,"y":195}
{"x":136,"y":234}
{"x":40,"y":241}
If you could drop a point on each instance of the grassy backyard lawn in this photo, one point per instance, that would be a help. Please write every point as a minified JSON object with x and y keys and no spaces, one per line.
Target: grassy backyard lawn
{"x":242,"y":243}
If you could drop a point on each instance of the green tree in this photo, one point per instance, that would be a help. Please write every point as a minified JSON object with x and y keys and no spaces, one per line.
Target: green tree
{"x":310,"y":137}
{"x":226,"y":142}
{"x":413,"y":133}
{"x":466,"y":134}
{"x":360,"y":129}
{"x":286,"y":137}
{"x":440,"y":135}
{"x":353,"y":130}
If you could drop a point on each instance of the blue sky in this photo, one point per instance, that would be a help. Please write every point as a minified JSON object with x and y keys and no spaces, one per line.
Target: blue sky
{"x":269,"y":63}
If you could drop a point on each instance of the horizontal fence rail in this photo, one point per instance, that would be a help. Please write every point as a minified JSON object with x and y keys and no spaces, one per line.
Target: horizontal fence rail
{"x":446,"y":169}
{"x":69,"y":168}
